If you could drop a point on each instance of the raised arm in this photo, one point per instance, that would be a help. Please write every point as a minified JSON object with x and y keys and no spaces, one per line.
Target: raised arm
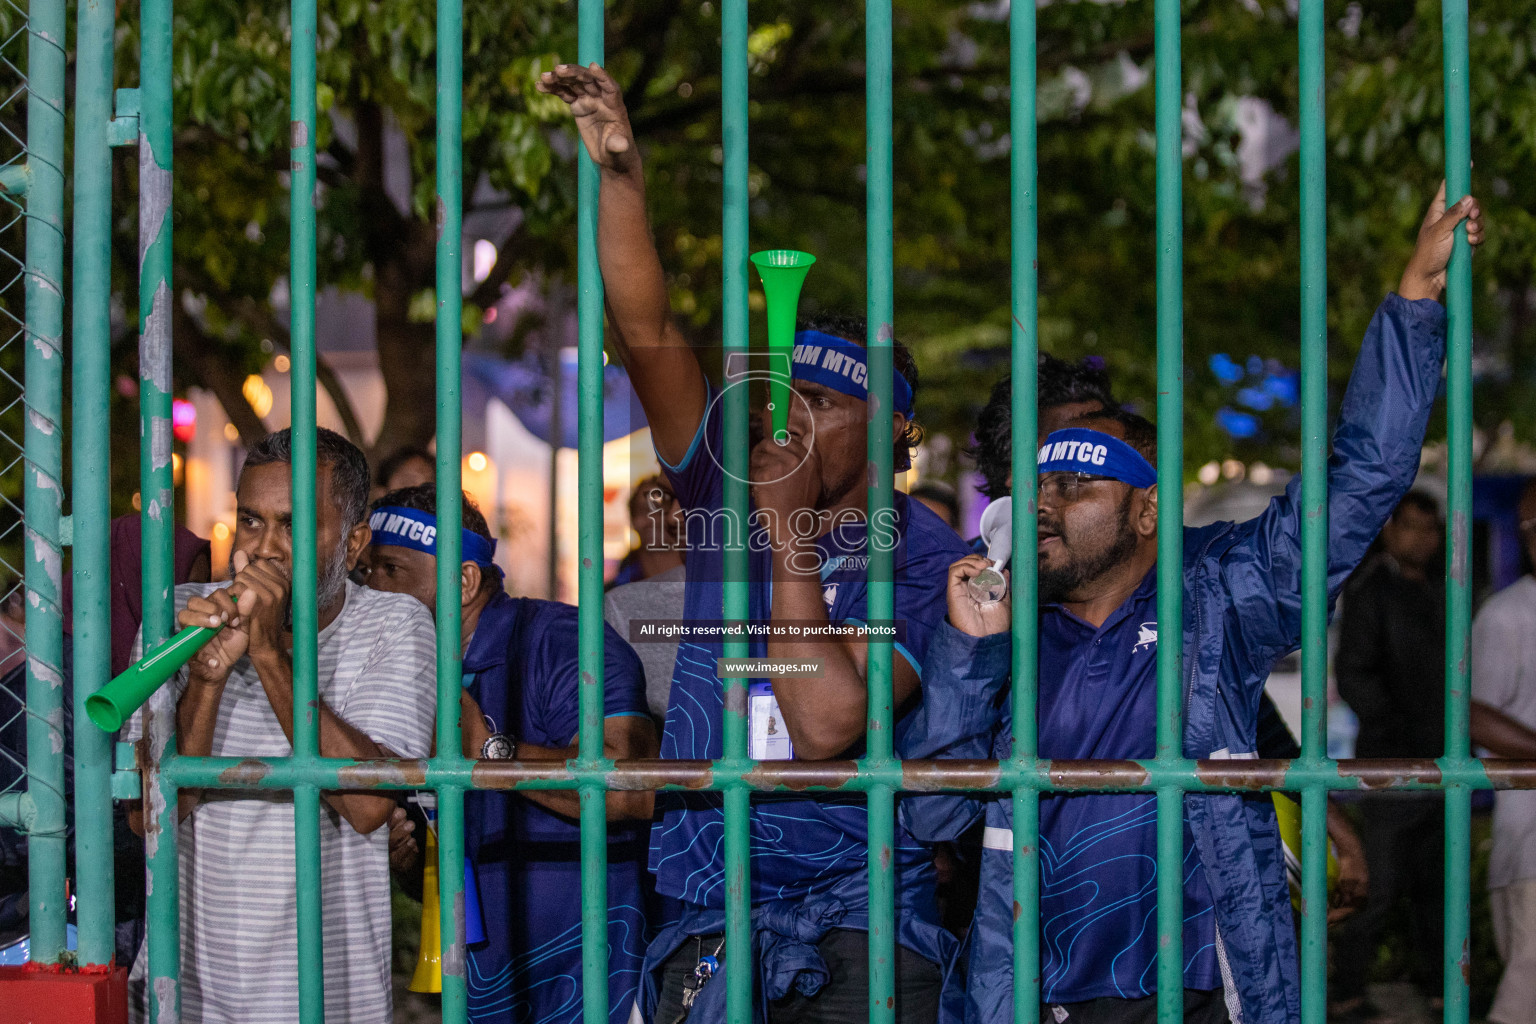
{"x":663,"y":369}
{"x":1376,"y":448}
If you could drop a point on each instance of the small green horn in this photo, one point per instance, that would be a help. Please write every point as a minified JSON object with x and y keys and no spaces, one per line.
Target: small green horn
{"x":783,"y":272}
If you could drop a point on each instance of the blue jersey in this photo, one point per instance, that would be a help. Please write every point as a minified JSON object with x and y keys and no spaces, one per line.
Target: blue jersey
{"x":800,"y":846}
{"x":521,"y":666}
{"x":1098,"y":853}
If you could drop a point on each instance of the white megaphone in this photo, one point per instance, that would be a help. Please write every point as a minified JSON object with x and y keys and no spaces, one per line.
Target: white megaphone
{"x":990,"y":585}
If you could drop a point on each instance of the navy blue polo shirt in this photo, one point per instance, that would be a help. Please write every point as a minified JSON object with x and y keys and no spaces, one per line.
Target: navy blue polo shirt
{"x":521,"y":667}
{"x":1098,"y":852}
{"x":800,"y":846}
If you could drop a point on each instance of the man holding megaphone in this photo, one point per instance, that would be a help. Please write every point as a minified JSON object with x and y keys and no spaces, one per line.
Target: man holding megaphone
{"x":239,"y":955}
{"x":807,"y":554}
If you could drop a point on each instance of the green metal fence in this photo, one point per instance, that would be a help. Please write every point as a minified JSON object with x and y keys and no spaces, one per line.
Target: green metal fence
{"x":15,"y":174}
{"x":33,"y":182}
{"x":144,"y":117}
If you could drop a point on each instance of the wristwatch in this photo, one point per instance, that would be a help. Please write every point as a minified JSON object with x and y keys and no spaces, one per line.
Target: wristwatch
{"x":498,"y":746}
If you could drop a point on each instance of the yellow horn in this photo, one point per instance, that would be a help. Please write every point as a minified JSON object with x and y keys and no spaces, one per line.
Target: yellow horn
{"x":429,"y":958}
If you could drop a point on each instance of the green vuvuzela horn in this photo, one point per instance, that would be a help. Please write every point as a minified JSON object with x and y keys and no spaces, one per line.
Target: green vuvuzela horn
{"x":110,"y":706}
{"x":783,"y":272}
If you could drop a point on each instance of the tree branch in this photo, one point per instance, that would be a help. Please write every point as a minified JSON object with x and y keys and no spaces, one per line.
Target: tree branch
{"x":488,"y":291}
{"x":200,"y":353}
{"x":262,"y":321}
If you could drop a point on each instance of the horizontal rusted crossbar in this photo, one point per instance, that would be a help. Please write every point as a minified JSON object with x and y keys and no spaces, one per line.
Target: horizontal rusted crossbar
{"x":825,"y":776}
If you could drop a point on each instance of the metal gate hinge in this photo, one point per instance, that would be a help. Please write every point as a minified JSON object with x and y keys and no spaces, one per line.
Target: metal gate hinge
{"x":67,"y":531}
{"x":123,"y":130}
{"x":127,"y":784}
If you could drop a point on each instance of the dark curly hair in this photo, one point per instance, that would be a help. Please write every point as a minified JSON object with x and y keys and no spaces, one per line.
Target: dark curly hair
{"x":852,"y":327}
{"x":1059,"y":383}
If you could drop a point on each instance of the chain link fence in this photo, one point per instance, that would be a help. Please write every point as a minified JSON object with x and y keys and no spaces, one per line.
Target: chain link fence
{"x":13,"y":174}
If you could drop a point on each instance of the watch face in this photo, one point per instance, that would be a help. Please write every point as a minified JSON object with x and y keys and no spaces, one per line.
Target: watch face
{"x":497,"y":747}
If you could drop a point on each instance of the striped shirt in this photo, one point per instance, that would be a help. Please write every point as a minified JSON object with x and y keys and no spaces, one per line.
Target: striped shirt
{"x":239,"y":944}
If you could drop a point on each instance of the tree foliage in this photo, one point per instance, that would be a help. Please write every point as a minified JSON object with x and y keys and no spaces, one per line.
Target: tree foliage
{"x":1096,"y":194}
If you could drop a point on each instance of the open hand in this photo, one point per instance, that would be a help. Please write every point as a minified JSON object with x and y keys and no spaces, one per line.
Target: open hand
{"x":966,"y":612}
{"x":598,"y":108}
{"x":1424,"y":277}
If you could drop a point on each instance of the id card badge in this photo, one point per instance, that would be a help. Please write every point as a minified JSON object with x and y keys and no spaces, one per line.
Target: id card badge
{"x":769,"y":737}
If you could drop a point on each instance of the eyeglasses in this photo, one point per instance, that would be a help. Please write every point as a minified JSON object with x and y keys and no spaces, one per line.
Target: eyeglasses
{"x":1064,"y":488}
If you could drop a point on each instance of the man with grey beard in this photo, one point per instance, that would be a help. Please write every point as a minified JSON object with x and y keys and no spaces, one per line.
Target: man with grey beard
{"x":376,"y":685}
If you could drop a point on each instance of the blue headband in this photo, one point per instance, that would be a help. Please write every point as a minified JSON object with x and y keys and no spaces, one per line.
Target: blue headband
{"x":412,"y":528}
{"x":839,"y":364}
{"x":1080,"y":450}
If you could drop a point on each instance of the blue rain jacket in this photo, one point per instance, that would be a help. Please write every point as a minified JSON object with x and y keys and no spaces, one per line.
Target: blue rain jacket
{"x":784,"y":953}
{"x":1242,"y":611}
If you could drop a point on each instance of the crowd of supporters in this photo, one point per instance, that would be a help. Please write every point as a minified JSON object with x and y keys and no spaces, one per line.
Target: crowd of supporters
{"x":808,"y":543}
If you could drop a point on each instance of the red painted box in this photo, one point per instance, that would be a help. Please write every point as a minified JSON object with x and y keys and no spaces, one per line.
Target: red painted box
{"x":33,"y":995}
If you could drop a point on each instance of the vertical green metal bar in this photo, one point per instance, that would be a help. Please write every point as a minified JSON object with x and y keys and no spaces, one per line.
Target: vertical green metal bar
{"x":161,"y":884}
{"x":1024,"y":190}
{"x":306,"y":614}
{"x":735,"y":232}
{"x":44,"y":488}
{"x":1170,"y":501}
{"x":881,"y":600}
{"x":157,"y":503}
{"x":450,"y":340}
{"x":1458,"y":889}
{"x":1458,"y":583}
{"x":589,"y":402}
{"x":301,"y":252}
{"x":1314,"y":509}
{"x":1314,"y":384}
{"x":1170,"y":904}
{"x":91,"y":478}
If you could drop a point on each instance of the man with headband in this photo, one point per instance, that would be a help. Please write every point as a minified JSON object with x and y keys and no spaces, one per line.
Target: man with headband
{"x":1097,"y":696}
{"x":239,"y":955}
{"x":520,"y":702}
{"x":807,"y":558}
